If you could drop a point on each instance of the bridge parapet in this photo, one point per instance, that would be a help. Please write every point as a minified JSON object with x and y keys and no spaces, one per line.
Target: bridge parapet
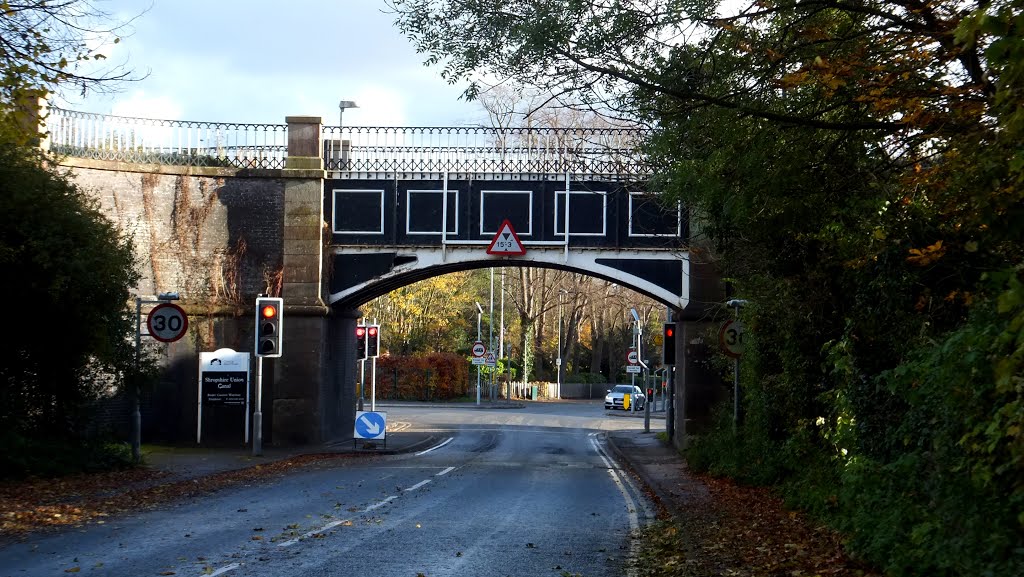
{"x":353,"y":152}
{"x":166,"y":142}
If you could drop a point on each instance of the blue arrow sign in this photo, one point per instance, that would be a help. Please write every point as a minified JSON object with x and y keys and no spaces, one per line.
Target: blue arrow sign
{"x":370,"y":425}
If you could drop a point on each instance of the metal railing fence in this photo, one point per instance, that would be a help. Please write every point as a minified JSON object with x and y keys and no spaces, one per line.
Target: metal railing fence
{"x":168,"y":142}
{"x":358,"y":149}
{"x":598,"y":151}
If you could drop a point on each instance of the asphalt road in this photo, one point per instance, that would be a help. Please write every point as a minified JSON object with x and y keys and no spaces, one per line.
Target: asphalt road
{"x":525,"y":492}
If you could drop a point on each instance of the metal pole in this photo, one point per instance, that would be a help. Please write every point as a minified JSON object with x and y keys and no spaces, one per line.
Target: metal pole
{"x":362,"y":384}
{"x":558,"y":357}
{"x":136,"y":411}
{"x":479,"y":314}
{"x":490,"y":336}
{"x":670,"y":401}
{"x":373,"y":384}
{"x":257,"y":415}
{"x":736,"y":381}
{"x":647,"y":410}
{"x":735,"y":394}
{"x":501,"y":320}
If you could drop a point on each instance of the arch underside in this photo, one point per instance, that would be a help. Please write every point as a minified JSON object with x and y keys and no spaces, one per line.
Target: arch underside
{"x":361,"y":274}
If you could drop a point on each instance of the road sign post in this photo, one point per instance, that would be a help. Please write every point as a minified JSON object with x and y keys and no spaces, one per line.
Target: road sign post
{"x":167,"y":322}
{"x":370,"y":425}
{"x":730,"y":337}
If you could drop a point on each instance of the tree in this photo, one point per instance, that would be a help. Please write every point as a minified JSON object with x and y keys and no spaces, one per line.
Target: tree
{"x":856,"y":168}
{"x":425,"y":316}
{"x":74,"y":270}
{"x":48,"y":46}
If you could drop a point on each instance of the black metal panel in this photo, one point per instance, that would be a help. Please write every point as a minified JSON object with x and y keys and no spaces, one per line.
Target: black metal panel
{"x":650,"y":216}
{"x":588,"y":212}
{"x":361,"y":211}
{"x":354,"y":269}
{"x":421,"y":213}
{"x":410,"y":212}
{"x":665,"y":273}
{"x":498,"y":201}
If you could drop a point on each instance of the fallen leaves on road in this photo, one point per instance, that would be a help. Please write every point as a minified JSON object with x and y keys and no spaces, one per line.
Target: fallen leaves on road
{"x":38,"y":504}
{"x":741,"y":531}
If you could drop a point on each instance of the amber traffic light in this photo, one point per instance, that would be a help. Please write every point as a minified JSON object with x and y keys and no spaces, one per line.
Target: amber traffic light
{"x":269,"y":321}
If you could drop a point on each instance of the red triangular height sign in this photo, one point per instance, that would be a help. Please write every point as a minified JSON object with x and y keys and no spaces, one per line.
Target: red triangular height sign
{"x":506,"y":242}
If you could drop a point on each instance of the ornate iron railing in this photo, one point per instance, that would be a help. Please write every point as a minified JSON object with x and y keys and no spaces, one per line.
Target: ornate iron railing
{"x":596,"y":151}
{"x":170,"y":142}
{"x":471,"y":150}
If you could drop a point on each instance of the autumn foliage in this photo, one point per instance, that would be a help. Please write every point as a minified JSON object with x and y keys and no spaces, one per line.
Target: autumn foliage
{"x":432,"y":377}
{"x":856,"y":171}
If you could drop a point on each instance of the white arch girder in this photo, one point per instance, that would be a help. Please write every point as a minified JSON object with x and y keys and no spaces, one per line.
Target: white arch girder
{"x":583,"y":260}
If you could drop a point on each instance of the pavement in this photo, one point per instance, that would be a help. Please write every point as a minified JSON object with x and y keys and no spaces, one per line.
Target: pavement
{"x":656,"y":464}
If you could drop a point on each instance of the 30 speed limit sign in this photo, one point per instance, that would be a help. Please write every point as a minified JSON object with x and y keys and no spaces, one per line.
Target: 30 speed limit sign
{"x":167,"y":322}
{"x":730,"y":338}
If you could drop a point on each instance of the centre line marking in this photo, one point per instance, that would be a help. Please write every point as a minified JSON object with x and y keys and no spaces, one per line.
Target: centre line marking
{"x":445,"y":472}
{"x":225,"y":569}
{"x":418,"y":485}
{"x":291,"y":542}
{"x":379,"y":505}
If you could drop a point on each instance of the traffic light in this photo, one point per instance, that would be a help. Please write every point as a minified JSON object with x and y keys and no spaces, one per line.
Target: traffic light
{"x":360,"y":342}
{"x":668,"y":345}
{"x":269,"y":320}
{"x":373,"y":341}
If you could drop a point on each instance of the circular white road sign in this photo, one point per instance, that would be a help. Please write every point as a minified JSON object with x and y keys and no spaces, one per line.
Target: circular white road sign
{"x":167,"y":322}
{"x":730,"y":338}
{"x":479,"y":349}
{"x":633,"y":358}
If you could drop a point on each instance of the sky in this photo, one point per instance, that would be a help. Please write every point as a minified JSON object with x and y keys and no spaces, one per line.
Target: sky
{"x":258,"y":61}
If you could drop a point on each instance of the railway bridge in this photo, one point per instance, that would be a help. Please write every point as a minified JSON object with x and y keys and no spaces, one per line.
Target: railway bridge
{"x":330,"y":217}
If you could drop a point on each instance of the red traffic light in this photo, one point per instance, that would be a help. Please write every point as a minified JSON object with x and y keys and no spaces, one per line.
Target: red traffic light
{"x":268,"y":311}
{"x":670,"y":331}
{"x":360,"y":332}
{"x":373,"y":331}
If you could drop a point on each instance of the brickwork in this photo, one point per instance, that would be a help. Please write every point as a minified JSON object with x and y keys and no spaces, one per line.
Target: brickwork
{"x":219,"y":237}
{"x":214,"y":239}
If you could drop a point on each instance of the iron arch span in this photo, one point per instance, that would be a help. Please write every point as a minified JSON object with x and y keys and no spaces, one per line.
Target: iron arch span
{"x":361,"y":274}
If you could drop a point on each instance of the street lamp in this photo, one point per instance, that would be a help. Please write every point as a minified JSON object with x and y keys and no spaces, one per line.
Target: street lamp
{"x":341,"y":109}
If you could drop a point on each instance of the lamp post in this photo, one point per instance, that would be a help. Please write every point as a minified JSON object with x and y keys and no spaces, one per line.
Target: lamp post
{"x":558,"y":359}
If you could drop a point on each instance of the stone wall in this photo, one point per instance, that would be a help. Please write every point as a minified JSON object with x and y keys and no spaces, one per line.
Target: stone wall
{"x":219,"y":237}
{"x":215,"y":239}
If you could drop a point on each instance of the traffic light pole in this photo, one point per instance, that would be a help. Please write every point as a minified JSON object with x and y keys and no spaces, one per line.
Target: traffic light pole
{"x":670,"y":381}
{"x":257,"y":416}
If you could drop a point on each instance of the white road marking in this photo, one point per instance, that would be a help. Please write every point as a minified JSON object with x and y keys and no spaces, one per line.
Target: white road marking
{"x":225,"y":569}
{"x":418,"y":485}
{"x":380,"y":504}
{"x":436,"y":447}
{"x":631,"y":507}
{"x":291,"y":542}
{"x":445,"y":472}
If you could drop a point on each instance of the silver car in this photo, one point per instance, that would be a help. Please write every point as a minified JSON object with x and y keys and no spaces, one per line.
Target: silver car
{"x":637,"y":399}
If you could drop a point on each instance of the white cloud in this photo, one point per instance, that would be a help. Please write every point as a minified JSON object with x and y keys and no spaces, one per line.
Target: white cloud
{"x":140,"y":105}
